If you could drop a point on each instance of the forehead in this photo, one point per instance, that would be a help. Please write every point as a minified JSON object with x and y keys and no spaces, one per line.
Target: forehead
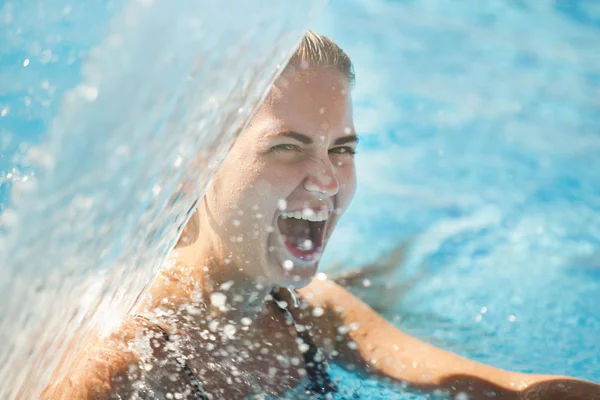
{"x":309,"y":101}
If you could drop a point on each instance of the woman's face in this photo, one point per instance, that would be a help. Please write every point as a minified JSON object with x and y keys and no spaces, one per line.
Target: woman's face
{"x":288,"y":178}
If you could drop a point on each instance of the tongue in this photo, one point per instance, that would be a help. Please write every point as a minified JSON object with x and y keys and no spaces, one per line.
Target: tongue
{"x":296,"y":230}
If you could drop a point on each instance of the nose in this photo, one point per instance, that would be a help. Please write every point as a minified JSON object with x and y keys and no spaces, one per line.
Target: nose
{"x":322,"y":178}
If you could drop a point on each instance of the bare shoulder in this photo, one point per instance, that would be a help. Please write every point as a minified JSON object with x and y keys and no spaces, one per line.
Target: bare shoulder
{"x":341,"y":320}
{"x":106,"y":368}
{"x":338,"y":302}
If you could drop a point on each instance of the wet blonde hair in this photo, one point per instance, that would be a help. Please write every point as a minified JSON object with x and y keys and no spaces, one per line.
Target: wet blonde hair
{"x":317,"y":51}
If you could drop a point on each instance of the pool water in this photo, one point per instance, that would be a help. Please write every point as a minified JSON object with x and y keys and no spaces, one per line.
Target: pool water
{"x":480,"y":143}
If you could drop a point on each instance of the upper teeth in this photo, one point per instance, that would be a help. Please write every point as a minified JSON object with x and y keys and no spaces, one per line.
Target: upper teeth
{"x":308,"y":214}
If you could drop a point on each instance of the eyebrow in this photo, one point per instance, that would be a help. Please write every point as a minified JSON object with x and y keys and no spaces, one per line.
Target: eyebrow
{"x":352,"y":138}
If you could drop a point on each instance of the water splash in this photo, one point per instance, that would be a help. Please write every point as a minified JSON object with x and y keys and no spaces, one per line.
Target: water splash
{"x":134,"y":143}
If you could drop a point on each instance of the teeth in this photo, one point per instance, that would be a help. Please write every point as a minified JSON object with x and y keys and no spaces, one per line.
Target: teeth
{"x":308,"y":215}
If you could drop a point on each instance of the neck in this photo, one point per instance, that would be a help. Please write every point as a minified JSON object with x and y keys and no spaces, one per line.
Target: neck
{"x":243,"y":295}
{"x":225,"y":287}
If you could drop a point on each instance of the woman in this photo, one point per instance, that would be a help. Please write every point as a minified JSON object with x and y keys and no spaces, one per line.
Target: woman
{"x":215,"y":325}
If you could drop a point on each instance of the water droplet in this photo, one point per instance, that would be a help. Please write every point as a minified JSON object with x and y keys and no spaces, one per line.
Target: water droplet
{"x":347,"y":130}
{"x":288,"y":265}
{"x":213,"y":325}
{"x":236,"y":222}
{"x":366,"y":283}
{"x":4,"y":111}
{"x":229,"y":331}
{"x":317,"y":312}
{"x":281,"y":204}
{"x":218,"y":299}
{"x":321,"y":276}
{"x":322,"y":110}
{"x":303,"y":347}
{"x":512,"y":318}
{"x":342,"y":330}
{"x":26,"y":62}
{"x":246,"y":321}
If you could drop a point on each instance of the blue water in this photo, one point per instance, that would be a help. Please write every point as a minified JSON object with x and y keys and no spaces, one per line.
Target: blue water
{"x":480,"y":142}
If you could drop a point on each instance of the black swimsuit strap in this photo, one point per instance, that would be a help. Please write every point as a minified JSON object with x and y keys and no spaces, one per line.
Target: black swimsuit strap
{"x":199,"y":392}
{"x":316,"y":365}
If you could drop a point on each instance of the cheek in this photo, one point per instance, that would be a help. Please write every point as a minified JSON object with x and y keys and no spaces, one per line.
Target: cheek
{"x":347,"y":180}
{"x":283,"y":178}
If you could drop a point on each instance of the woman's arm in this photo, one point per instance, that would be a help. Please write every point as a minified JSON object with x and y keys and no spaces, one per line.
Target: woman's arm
{"x":372,"y":344}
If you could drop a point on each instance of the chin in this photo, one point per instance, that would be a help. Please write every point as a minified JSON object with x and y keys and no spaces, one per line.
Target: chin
{"x":299,"y":277}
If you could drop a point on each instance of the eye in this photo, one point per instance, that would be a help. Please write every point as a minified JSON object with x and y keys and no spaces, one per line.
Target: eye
{"x":343,"y":150}
{"x":285,"y":148}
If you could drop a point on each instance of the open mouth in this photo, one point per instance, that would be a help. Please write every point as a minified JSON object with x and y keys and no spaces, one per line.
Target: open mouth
{"x":303,"y":232}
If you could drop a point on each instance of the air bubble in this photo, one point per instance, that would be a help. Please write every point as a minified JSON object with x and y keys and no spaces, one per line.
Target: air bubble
{"x":26,"y":62}
{"x":236,"y":222}
{"x":322,"y":110}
